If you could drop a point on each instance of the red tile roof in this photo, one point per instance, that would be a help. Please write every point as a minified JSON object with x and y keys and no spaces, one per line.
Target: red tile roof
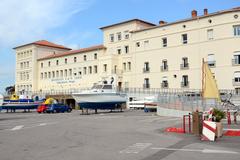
{"x":45,"y":43}
{"x":191,"y":19}
{"x":132,"y":20}
{"x":93,"y":48}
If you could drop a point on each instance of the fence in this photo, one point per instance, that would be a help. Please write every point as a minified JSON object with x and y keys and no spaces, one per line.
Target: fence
{"x":180,"y":99}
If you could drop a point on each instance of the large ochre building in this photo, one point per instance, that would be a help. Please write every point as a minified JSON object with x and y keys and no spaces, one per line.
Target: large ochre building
{"x":140,"y":55}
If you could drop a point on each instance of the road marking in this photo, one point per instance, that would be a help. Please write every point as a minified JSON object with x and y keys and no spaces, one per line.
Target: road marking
{"x":36,"y":125}
{"x":161,"y":119}
{"x":17,"y":128}
{"x":197,"y":150}
{"x":42,"y":124}
{"x":108,"y":117}
{"x":136,"y":148}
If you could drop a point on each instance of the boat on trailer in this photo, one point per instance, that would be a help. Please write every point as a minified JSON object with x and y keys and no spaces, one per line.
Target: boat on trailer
{"x":102,"y":96}
{"x":16,"y":103}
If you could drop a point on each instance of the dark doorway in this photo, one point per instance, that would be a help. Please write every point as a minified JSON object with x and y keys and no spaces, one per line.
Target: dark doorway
{"x":71,"y":103}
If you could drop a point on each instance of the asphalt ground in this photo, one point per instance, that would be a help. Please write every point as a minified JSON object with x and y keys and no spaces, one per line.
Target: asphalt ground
{"x":128,"y":135}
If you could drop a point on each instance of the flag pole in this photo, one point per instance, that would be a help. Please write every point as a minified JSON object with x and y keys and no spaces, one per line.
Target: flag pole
{"x":203,"y":77}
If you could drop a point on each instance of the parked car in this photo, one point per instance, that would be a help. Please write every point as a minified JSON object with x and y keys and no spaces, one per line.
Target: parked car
{"x":56,"y":108}
{"x":42,"y":108}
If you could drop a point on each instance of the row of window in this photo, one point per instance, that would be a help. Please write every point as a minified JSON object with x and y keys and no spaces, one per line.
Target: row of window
{"x":24,"y":76}
{"x":24,"y":54}
{"x":124,"y":50}
{"x":24,"y":65}
{"x":86,"y":70}
{"x":75,"y":60}
{"x":184,"y":83}
{"x":164,"y":66}
{"x":127,"y":66}
{"x":184,"y":37}
{"x":69,"y":72}
{"x":185,"y":65}
{"x":164,"y":41}
{"x":118,"y":36}
{"x":24,"y":88}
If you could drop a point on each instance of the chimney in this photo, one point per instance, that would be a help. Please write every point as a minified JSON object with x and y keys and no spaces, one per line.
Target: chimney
{"x":194,"y":13}
{"x":205,"y":12}
{"x":162,"y":23}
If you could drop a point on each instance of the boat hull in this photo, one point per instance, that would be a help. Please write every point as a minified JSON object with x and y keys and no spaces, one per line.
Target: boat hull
{"x":101,"y":105}
{"x":15,"y":106}
{"x":100,"y":101}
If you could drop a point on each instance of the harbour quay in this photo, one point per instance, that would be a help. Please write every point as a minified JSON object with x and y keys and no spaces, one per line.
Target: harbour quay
{"x":119,"y":135}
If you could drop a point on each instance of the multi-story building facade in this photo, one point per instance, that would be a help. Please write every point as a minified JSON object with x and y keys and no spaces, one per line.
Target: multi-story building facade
{"x":140,"y":54}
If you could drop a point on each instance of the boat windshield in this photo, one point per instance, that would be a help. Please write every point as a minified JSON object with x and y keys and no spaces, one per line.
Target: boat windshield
{"x":97,"y":87}
{"x":107,"y":87}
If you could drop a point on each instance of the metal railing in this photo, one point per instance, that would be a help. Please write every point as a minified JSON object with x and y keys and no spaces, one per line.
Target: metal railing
{"x":212,"y":64}
{"x":146,"y":70}
{"x":184,"y":66}
{"x":164,"y":68}
{"x":235,"y":83}
{"x":146,"y":86}
{"x":164,"y":85}
{"x":185,"y":84}
{"x":235,"y":62}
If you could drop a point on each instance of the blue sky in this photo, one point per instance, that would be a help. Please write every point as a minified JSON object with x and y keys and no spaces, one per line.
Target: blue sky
{"x":76,"y":23}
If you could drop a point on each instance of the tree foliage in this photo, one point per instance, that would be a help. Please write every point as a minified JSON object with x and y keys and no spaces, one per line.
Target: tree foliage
{"x":10,"y":90}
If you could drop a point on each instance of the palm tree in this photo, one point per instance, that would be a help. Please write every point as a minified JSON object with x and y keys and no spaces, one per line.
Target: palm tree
{"x":10,"y":90}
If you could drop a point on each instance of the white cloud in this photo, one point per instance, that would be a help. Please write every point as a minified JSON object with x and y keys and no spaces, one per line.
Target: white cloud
{"x":25,"y":20}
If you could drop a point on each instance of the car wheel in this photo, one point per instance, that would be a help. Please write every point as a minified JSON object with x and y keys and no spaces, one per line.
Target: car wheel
{"x":69,"y":110}
{"x":44,"y":111}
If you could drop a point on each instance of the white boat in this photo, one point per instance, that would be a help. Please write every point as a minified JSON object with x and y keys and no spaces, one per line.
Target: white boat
{"x":149,"y":103}
{"x":102,"y":96}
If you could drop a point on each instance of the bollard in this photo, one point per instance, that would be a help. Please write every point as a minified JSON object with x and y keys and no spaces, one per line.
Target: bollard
{"x":229,"y":117}
{"x":189,"y":123}
{"x":184,"y":131}
{"x":235,"y":117}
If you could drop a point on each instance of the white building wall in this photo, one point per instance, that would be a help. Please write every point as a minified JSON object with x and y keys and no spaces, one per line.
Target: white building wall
{"x":223,"y":45}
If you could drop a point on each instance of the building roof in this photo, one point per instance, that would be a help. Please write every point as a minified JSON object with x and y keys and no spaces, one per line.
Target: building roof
{"x":191,"y":19}
{"x":93,"y":48}
{"x":132,"y":20}
{"x":45,"y":43}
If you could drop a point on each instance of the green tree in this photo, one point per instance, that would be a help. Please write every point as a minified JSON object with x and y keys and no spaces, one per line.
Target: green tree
{"x":10,"y":90}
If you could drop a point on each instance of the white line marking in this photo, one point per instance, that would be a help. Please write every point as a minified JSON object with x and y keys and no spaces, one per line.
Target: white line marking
{"x":136,"y":148}
{"x":24,"y":127}
{"x":197,"y":150}
{"x":218,"y":151}
{"x":161,"y":119}
{"x":42,"y":124}
{"x":17,"y":128}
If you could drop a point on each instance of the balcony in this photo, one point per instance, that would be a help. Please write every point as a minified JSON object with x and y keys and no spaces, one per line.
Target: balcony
{"x":185,"y":84}
{"x":235,"y":62}
{"x":235,"y":83}
{"x":211,"y":64}
{"x":146,"y":70}
{"x":164,"y":85}
{"x":164,"y":68}
{"x":184,"y":66}
{"x":146,"y":86}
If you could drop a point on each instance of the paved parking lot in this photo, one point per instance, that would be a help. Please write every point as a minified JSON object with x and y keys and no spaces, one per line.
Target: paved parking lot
{"x":129,"y":135}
